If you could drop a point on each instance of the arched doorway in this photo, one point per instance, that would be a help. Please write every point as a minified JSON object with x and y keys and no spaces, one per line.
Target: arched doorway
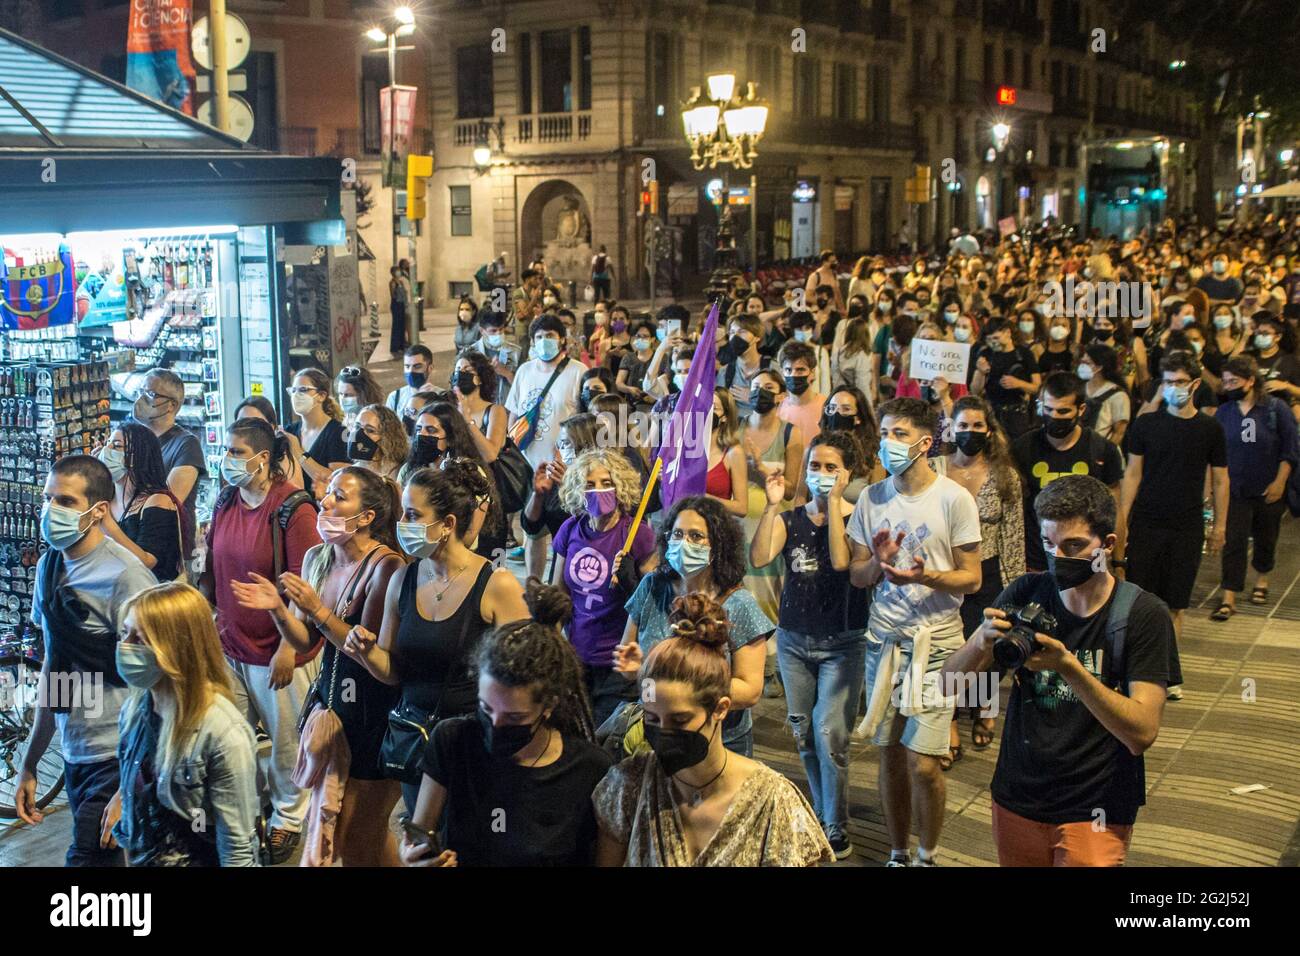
{"x":556,"y":223}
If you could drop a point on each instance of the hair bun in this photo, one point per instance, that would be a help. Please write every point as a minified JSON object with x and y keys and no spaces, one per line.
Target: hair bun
{"x":548,"y":604}
{"x":700,"y":619}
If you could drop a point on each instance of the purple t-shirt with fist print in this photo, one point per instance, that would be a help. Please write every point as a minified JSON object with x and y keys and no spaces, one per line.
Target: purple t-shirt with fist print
{"x":588,"y":558}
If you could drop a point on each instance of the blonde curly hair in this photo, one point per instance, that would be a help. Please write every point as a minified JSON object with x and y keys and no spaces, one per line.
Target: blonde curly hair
{"x":627,"y":482}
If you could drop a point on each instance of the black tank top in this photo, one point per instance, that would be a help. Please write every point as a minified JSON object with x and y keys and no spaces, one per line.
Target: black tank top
{"x":376,"y":698}
{"x":432,"y":657}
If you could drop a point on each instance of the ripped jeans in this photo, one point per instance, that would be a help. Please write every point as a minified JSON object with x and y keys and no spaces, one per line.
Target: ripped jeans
{"x":823,"y":684}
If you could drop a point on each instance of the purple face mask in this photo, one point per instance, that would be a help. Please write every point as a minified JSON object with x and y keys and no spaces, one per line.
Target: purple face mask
{"x":619,"y":326}
{"x":600,"y":503}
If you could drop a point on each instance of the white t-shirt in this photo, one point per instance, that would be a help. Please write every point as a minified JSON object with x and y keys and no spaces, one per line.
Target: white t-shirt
{"x":941,"y":519}
{"x":1114,"y":410}
{"x":561,"y":402}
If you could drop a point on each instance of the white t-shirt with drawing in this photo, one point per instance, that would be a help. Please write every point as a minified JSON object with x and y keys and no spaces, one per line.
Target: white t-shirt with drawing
{"x":561,"y":402}
{"x":936,"y":522}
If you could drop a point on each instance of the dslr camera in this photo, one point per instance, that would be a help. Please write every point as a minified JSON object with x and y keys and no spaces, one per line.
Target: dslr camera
{"x":1011,"y":649}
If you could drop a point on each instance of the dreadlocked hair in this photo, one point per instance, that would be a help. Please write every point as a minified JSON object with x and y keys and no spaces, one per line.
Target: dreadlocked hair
{"x":535,"y":653}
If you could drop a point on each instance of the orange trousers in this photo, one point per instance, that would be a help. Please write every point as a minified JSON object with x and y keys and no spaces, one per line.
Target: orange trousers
{"x":1023,"y":842}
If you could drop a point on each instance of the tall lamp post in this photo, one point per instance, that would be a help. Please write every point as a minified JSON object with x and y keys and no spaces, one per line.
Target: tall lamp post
{"x":723,"y":127}
{"x":1001,"y":136}
{"x":400,"y":24}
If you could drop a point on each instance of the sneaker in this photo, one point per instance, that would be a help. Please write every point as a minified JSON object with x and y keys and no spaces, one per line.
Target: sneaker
{"x":515,"y":554}
{"x":920,"y":862}
{"x":772,"y":686}
{"x":840,"y":844}
{"x":1174,"y":692}
{"x":899,"y":860}
{"x":282,"y":843}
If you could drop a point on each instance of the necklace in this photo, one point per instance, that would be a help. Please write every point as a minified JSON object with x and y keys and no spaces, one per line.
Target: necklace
{"x":450,"y":581}
{"x":698,"y":796}
{"x":544,"y":749}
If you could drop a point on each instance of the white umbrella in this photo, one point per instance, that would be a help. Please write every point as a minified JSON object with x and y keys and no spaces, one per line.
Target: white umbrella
{"x":1286,"y":190}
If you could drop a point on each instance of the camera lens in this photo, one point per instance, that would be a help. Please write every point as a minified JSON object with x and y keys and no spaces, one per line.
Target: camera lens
{"x":1011,"y":650}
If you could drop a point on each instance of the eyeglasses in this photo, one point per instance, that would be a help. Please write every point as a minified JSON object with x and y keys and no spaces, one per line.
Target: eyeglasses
{"x":301,"y":389}
{"x":350,"y":371}
{"x":153,"y":397}
{"x":694,"y":537}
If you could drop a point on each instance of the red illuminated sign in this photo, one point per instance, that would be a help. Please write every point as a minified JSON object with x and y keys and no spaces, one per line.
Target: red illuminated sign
{"x":1006,"y":96}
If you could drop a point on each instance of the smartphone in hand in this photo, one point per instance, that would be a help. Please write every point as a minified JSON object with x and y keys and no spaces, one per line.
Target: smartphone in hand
{"x":417,"y":835}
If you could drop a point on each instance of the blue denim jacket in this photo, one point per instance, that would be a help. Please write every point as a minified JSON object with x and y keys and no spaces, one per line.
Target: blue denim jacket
{"x":214,"y":781}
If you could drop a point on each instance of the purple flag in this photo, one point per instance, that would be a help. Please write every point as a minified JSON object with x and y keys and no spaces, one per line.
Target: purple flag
{"x":685,"y":449}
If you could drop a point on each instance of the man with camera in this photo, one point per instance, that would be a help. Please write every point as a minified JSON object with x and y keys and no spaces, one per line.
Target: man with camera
{"x":1086,"y":699}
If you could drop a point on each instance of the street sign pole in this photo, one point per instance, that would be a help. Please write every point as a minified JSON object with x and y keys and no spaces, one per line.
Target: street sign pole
{"x":220,"y":78}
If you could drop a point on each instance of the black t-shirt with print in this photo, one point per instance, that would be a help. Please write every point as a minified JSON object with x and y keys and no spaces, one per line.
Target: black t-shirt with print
{"x":500,"y":813}
{"x":1057,"y":762}
{"x":1040,"y":464}
{"x":816,"y":599}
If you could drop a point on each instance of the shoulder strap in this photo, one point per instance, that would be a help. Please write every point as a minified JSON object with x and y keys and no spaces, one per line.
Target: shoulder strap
{"x":280,"y":524}
{"x":731,"y":374}
{"x":789,"y":426}
{"x":551,"y":381}
{"x":1126,"y":594}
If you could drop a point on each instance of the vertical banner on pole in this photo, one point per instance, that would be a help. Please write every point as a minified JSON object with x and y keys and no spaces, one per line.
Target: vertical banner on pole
{"x":158,"y":60}
{"x":397,"y":119}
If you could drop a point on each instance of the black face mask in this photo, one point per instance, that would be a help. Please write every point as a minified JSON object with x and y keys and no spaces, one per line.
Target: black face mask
{"x":717,"y":421}
{"x":737,"y":345}
{"x":855,"y":310}
{"x":1059,"y":427}
{"x":797,"y":384}
{"x":1233,"y":394}
{"x":677,"y":750}
{"x":425,"y":451}
{"x":502,"y":743}
{"x":839,"y":422}
{"x":929,"y":395}
{"x":464,"y":383}
{"x":361,"y":447}
{"x":762,"y":400}
{"x":587,"y":396}
{"x":822,"y":303}
{"x":971,"y":443}
{"x":1069,"y":572}
{"x":1103,"y":335}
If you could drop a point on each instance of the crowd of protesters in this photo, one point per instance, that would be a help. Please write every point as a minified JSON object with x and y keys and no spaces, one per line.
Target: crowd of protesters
{"x":865,"y":541}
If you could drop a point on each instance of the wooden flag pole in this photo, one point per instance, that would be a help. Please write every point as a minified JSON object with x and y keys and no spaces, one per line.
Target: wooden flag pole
{"x":645,"y":500}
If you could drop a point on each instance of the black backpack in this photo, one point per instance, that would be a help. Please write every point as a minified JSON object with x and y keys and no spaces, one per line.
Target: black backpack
{"x":1092,"y":406}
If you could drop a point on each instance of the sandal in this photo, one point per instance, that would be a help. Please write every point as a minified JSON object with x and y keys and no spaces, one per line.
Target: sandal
{"x":1259,"y":595}
{"x":980,"y":735}
{"x":1223,"y":612}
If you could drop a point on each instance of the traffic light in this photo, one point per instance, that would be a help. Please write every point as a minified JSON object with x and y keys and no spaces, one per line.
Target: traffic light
{"x":649,"y":200}
{"x":418,"y":171}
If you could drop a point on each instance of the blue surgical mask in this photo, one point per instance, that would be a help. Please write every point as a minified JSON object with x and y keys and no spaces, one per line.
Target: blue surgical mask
{"x":642,"y":344}
{"x":687,"y":558}
{"x":802,"y":335}
{"x":494,"y":340}
{"x":1223,"y":321}
{"x":660,"y":333}
{"x":414,"y":539}
{"x":961,"y":335}
{"x":897,"y":456}
{"x":1176,"y":396}
{"x":350,"y":404}
{"x":236,"y":470}
{"x":138,"y":665}
{"x":1263,"y":341}
{"x":820,"y":483}
{"x":884,"y":305}
{"x":115,"y":460}
{"x":546,"y":349}
{"x":951,"y":317}
{"x":61,"y":527}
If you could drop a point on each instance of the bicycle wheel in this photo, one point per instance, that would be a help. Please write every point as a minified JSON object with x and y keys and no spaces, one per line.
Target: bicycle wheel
{"x":19,"y":677}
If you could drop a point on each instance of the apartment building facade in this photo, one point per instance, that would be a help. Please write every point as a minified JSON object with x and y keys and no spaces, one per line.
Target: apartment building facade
{"x":578,"y":105}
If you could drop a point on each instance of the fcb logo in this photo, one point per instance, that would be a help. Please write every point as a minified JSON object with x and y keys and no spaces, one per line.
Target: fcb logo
{"x":39,"y":294}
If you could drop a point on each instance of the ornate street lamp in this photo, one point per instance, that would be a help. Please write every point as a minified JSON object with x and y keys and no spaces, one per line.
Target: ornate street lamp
{"x":722,"y":127}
